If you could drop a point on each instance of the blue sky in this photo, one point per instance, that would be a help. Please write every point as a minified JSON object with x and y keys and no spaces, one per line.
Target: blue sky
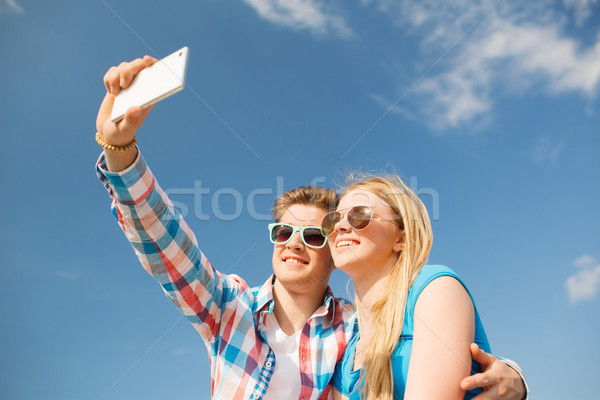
{"x":489,"y":109}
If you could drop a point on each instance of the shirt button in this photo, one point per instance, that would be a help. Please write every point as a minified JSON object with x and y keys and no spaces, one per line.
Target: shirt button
{"x":268,"y":364}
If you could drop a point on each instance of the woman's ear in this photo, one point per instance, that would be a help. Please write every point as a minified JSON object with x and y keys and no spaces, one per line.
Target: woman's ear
{"x":400,"y":242}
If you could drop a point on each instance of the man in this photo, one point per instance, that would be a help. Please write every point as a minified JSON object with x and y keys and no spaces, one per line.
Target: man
{"x":258,"y":339}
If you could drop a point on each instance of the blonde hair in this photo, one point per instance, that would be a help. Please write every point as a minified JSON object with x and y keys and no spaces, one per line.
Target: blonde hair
{"x":388,"y":312}
{"x":326,"y":199}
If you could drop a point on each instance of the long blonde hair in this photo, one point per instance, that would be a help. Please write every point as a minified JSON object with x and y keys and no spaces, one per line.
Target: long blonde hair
{"x":388,"y":312}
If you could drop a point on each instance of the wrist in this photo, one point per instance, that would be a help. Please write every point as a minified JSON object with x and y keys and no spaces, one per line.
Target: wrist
{"x":118,"y":147}
{"x":117,"y":138}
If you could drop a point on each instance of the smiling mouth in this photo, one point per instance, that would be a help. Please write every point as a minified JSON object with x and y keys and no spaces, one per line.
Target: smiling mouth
{"x":346,"y":243}
{"x":295,"y":261}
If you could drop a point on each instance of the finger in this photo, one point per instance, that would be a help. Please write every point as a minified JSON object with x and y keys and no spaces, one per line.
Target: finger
{"x":149,"y":60}
{"x":121,"y":76}
{"x":484,"y":359}
{"x":146,"y":111}
{"x":106,"y":78}
{"x":113,"y":78}
{"x":480,"y":380}
{"x":131,"y":121}
{"x":105,"y":111}
{"x":125,"y":78}
{"x":129,"y":70}
{"x":467,"y":383}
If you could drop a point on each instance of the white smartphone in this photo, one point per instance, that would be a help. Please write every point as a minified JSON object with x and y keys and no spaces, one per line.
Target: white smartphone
{"x":157,"y":82}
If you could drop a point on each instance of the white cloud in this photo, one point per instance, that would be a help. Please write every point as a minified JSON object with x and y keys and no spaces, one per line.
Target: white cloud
{"x":510,"y":57}
{"x":313,"y":15}
{"x":391,"y":107}
{"x":11,"y":6}
{"x":584,"y":261}
{"x":581,"y":8}
{"x":497,"y":47}
{"x":505,"y":49}
{"x":584,"y":285}
{"x":434,"y":21}
{"x":547,"y":149}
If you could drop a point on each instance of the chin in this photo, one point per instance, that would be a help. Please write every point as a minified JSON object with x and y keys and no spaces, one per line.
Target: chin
{"x":344,"y":260}
{"x":349,"y":267}
{"x":290,"y":275}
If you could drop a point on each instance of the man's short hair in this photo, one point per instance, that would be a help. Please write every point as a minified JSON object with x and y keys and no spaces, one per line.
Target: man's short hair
{"x":324,"y":198}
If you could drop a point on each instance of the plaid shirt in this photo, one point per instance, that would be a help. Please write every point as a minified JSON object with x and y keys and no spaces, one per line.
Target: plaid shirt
{"x":222,"y":308}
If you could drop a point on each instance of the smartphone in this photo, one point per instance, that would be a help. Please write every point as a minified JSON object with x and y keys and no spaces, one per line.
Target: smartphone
{"x":152,"y":84}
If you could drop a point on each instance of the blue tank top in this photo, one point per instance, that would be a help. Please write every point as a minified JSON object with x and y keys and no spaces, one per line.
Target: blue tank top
{"x":345,"y":379}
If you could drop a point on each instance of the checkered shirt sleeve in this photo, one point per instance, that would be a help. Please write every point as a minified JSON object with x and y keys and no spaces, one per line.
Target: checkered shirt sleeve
{"x":222,"y":308}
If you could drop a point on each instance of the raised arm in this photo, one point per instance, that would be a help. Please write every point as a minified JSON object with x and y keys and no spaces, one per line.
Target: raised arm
{"x":163,"y":242}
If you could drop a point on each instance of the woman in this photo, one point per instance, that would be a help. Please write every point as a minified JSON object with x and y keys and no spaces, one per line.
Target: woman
{"x":381,"y":236}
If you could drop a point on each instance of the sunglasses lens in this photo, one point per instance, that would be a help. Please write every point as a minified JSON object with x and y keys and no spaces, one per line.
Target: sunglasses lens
{"x":328,"y":223}
{"x":281,"y":233}
{"x":359,"y":217}
{"x":314,"y":237}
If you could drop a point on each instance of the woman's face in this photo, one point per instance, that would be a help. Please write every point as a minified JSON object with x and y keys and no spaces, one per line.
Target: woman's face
{"x":372,"y":250}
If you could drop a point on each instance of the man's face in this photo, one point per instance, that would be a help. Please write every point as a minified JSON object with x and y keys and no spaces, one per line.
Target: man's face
{"x":298,"y":267}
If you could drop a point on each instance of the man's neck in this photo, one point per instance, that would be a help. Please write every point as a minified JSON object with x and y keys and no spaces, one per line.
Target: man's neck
{"x":293,"y":308}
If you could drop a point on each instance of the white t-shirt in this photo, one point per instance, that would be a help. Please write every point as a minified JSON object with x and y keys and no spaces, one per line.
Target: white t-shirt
{"x":285,"y":382}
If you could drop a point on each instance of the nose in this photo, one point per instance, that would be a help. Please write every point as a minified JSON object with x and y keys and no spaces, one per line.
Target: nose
{"x":343,"y":225}
{"x":295,"y":242}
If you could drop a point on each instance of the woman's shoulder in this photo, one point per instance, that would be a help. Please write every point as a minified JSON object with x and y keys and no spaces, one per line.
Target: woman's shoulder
{"x":427,"y":274}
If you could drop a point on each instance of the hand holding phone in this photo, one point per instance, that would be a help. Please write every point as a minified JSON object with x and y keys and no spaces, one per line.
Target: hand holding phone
{"x":118,"y":79}
{"x":157,"y":82}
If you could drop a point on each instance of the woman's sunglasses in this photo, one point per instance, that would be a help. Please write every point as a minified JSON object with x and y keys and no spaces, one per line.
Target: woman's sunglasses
{"x":311,"y":235}
{"x":359,"y":217}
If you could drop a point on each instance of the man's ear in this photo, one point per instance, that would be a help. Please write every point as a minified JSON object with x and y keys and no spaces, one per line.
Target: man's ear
{"x":400,"y":242}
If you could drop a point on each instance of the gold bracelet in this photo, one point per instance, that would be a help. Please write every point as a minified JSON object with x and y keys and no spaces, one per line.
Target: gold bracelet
{"x":113,"y":147}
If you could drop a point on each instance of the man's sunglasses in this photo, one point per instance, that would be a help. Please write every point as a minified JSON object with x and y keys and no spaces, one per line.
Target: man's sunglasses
{"x":311,"y":235}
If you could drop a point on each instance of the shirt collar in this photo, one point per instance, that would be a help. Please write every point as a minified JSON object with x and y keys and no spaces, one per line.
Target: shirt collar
{"x":264,"y":300}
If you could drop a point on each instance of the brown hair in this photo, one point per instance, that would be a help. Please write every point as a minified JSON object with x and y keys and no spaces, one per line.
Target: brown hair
{"x":324,"y":198}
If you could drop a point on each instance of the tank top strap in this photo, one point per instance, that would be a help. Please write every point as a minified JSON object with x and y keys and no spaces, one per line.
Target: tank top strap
{"x":428,"y":273}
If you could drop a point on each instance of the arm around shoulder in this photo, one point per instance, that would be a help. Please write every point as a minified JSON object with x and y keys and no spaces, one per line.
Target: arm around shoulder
{"x":500,"y":378}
